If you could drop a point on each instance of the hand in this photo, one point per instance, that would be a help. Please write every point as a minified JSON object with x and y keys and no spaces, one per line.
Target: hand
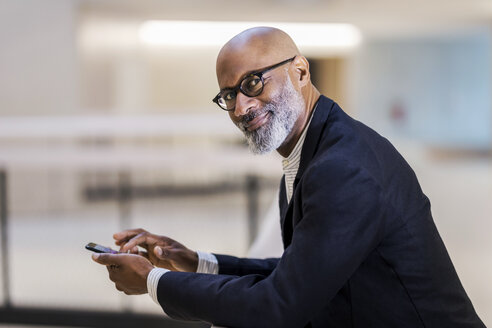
{"x":128,"y":271}
{"x":162,"y":251}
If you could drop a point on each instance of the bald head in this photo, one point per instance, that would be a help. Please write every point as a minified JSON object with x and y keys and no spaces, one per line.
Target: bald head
{"x":253,"y":49}
{"x":268,"y":38}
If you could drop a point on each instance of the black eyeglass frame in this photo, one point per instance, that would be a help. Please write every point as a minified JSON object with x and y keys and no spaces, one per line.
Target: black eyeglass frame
{"x":258,"y":74}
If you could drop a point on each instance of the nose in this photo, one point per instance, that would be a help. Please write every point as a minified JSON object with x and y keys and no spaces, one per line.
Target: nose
{"x":244,"y":104}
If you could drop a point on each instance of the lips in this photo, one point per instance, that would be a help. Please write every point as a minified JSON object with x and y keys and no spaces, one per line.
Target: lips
{"x":258,"y":121}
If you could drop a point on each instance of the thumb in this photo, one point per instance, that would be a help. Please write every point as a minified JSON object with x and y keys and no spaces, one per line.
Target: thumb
{"x":162,"y":253}
{"x":158,"y":252}
{"x":105,"y":259}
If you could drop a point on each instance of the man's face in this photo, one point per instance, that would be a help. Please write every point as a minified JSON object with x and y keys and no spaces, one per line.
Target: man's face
{"x":267,"y":124}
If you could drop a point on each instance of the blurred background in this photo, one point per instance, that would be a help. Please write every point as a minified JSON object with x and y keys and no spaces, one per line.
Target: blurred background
{"x":106,"y":123}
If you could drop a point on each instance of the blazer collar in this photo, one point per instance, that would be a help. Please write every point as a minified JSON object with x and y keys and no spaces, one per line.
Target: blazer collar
{"x":324,"y":106}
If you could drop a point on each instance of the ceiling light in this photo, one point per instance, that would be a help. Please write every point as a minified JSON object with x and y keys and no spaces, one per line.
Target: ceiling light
{"x":210,"y":33}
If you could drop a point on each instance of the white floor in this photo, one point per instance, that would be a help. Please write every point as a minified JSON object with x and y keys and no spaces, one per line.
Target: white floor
{"x":21,"y":326}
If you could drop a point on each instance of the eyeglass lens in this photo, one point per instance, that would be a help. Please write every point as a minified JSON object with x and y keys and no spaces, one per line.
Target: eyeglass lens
{"x":251,"y":86}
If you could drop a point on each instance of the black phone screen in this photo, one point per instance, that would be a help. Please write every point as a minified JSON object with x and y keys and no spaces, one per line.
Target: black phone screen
{"x":100,"y":249}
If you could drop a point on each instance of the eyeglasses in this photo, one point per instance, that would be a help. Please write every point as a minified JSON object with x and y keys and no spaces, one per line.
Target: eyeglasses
{"x":251,"y":86}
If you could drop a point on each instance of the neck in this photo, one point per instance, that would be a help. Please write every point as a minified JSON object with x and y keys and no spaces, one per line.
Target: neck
{"x":290,"y":142}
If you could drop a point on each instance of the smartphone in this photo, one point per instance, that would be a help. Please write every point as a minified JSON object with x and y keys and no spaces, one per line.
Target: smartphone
{"x":100,"y":249}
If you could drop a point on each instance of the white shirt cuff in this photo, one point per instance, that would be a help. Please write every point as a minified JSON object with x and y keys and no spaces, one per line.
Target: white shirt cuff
{"x":153,"y":280}
{"x":207,"y":263}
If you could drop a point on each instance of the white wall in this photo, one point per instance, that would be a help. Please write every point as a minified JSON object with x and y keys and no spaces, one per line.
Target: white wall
{"x":37,"y":57}
{"x":441,"y":84}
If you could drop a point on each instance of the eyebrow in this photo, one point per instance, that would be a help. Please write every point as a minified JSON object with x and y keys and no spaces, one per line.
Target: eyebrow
{"x":251,"y":72}
{"x":259,"y":70}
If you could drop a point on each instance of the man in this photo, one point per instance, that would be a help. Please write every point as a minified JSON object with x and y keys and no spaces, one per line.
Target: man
{"x":361,"y":248}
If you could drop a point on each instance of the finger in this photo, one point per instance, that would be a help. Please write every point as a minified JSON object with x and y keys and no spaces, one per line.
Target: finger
{"x":112,"y":276}
{"x":141,"y":239}
{"x":110,"y":269}
{"x":134,"y":250}
{"x":144,"y":254}
{"x":135,"y":239}
{"x":124,"y":249}
{"x":126,"y":235}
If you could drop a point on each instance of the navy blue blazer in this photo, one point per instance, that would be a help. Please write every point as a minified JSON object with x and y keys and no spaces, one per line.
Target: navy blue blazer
{"x":361,"y":248}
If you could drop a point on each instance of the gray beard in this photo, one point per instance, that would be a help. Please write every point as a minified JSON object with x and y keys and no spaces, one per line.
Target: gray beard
{"x":285,"y":108}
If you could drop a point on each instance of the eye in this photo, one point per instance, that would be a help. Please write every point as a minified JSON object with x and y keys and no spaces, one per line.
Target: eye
{"x":252,"y":85}
{"x":229,"y":95}
{"x":253,"y":82}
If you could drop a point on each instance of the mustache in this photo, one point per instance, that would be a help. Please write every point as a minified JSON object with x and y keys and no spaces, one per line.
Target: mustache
{"x":244,"y":122}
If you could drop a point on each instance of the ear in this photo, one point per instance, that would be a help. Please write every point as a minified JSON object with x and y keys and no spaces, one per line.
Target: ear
{"x":301,"y":67}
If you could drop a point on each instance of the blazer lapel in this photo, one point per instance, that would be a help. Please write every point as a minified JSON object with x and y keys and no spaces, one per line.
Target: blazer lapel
{"x":309,"y":148}
{"x":282,"y":198}
{"x":284,"y":206}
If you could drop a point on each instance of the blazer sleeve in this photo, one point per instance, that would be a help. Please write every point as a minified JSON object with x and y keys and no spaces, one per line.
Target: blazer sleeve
{"x":343,"y":216}
{"x":243,"y":266}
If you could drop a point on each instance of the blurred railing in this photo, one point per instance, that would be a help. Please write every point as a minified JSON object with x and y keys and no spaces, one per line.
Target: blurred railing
{"x":33,"y":151}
